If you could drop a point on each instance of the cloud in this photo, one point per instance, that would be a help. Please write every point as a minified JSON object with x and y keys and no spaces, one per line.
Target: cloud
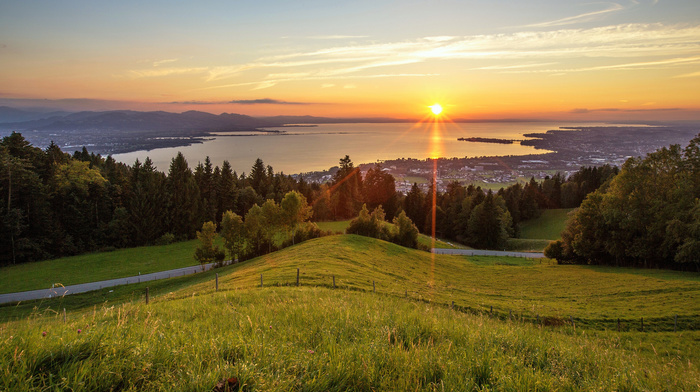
{"x":160,"y":72}
{"x":615,"y":47}
{"x":267,"y":101}
{"x":161,"y":62}
{"x":581,"y":18}
{"x":584,"y":110}
{"x":260,"y":101}
{"x":350,"y":86}
{"x":327,"y":85}
{"x":688,"y":75}
{"x":337,"y":36}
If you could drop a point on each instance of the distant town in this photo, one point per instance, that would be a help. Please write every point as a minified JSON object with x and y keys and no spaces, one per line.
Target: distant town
{"x":571,"y":149}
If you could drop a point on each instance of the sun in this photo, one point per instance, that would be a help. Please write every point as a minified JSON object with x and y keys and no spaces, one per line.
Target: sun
{"x":436,"y":109}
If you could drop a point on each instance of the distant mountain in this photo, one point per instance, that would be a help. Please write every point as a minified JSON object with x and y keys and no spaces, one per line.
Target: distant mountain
{"x":131,"y":121}
{"x":13,"y":115}
{"x":333,"y":120}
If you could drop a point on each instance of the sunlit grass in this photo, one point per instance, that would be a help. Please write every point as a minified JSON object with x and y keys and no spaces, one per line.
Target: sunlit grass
{"x":318,"y":339}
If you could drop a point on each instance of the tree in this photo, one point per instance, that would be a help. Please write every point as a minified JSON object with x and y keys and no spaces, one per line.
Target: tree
{"x":406,"y":233}
{"x":379,"y":189}
{"x":487,"y":224}
{"x":206,"y":252}
{"x":294,"y":210}
{"x":346,"y":190}
{"x":234,"y":235}
{"x":184,"y":198}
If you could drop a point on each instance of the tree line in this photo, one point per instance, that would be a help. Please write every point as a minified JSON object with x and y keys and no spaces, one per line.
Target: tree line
{"x":56,"y":204}
{"x":647,"y":216}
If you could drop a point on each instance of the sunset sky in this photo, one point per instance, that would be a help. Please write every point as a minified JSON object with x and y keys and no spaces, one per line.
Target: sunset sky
{"x":480,"y":59}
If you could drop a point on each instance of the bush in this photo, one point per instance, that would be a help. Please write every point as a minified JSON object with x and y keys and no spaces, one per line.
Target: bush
{"x":166,"y":239}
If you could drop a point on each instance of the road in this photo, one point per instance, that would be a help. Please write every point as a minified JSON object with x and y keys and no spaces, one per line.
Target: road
{"x":85,"y":287}
{"x":475,"y":252}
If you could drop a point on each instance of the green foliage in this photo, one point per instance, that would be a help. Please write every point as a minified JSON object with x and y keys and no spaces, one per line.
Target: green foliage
{"x":369,"y":225}
{"x":549,"y":225}
{"x":642,"y":217}
{"x":406,"y":233}
{"x":206,"y":252}
{"x":234,"y":235}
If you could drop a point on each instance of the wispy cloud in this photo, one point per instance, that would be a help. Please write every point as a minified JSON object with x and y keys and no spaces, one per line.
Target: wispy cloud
{"x":160,"y":72}
{"x":267,"y":101}
{"x":260,"y":101}
{"x":584,"y":110}
{"x":603,"y":48}
{"x":580,"y":18}
{"x":688,"y":75}
{"x":337,"y":36}
{"x":161,"y":62}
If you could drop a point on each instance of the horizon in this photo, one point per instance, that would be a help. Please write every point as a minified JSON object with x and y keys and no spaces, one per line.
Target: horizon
{"x":544,"y":60}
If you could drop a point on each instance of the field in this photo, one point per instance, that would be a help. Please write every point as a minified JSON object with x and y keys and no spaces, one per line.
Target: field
{"x":92,"y":267}
{"x":424,"y":240}
{"x":547,"y":226}
{"x":314,"y":337}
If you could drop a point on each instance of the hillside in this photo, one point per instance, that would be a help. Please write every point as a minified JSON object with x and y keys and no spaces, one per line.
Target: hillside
{"x":315,"y":338}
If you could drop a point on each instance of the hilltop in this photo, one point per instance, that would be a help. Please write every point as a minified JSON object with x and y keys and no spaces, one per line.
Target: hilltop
{"x":315,"y":337}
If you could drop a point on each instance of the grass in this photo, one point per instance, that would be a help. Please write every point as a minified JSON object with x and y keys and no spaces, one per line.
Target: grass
{"x":547,"y":226}
{"x":594,"y":296}
{"x":526,"y":245}
{"x":93,"y":267}
{"x":315,"y":338}
{"x":339,"y":227}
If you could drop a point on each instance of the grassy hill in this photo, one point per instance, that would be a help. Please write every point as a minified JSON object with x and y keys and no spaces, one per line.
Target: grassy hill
{"x":92,"y":267}
{"x":547,"y":226}
{"x":315,"y":337}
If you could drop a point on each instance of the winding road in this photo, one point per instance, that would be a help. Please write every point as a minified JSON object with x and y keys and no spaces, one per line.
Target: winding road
{"x":85,"y":287}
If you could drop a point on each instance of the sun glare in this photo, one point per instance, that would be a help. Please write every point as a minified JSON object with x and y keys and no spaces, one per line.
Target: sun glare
{"x":436,"y":109}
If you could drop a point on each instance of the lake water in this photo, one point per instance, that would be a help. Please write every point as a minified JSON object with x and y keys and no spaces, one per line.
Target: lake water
{"x":304,"y":149}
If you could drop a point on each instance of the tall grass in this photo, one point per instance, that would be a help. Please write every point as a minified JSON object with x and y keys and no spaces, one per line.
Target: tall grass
{"x":316,"y":339}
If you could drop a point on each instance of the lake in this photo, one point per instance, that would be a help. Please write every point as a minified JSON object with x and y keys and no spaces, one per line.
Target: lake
{"x":316,"y":148}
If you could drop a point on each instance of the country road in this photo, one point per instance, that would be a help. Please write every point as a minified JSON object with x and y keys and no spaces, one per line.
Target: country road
{"x":476,"y":252}
{"x":85,"y":287}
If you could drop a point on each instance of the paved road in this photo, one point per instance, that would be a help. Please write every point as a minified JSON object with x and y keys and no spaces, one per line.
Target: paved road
{"x":82,"y":288}
{"x":475,"y":252}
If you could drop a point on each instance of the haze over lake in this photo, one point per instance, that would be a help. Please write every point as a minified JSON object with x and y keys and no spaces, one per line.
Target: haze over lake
{"x":315,"y":148}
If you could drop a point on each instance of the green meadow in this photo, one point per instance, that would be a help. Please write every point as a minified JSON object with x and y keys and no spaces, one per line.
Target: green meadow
{"x":547,"y":226}
{"x":388,"y":323}
{"x":93,"y":267}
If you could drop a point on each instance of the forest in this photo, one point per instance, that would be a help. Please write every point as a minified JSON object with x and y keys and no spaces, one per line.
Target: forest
{"x":55,"y":204}
{"x":647,"y":216}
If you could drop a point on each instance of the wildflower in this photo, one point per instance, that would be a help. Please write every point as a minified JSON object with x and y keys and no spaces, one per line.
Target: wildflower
{"x":43,"y":333}
{"x":310,"y":351}
{"x":80,"y":330}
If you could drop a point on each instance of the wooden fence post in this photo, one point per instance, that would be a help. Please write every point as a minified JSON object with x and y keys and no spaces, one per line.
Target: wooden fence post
{"x":618,"y":324}
{"x":491,"y":311}
{"x":510,"y":315}
{"x":261,"y":284}
{"x":297,"y":277}
{"x":453,"y":305}
{"x":146,"y":295}
{"x":406,"y":293}
{"x":64,"y":315}
{"x":374,"y":287}
{"x":217,"y":281}
{"x":642,"y":324}
{"x":333,"y":281}
{"x":675,"y":322}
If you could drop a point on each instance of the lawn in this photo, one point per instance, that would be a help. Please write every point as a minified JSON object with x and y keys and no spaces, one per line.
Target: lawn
{"x":424,"y":240}
{"x":547,"y":226}
{"x":507,"y":329}
{"x":318,"y":339}
{"x":93,"y":267}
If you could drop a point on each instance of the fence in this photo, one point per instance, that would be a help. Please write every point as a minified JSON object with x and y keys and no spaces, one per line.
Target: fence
{"x":620,"y":324}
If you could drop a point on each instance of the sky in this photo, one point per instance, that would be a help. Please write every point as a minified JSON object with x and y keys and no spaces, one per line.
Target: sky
{"x":540,"y":59}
